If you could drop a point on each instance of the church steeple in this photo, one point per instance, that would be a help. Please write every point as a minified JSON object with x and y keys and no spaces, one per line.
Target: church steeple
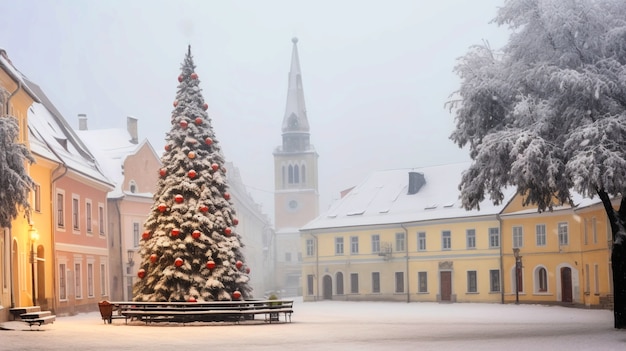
{"x":295,"y":126}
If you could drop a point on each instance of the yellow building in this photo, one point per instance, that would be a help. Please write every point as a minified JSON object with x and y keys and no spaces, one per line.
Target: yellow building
{"x":402,"y":235}
{"x":563,"y":255}
{"x":18,"y":269}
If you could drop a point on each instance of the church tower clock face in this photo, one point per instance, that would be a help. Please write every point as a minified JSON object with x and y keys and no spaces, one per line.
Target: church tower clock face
{"x":293,"y":205}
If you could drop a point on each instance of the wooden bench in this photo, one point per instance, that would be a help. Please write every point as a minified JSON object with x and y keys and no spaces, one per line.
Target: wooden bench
{"x":183,"y":312}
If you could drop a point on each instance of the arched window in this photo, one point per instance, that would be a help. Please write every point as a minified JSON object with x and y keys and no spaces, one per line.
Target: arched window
{"x":339,"y":278}
{"x":296,"y":174}
{"x":132,"y":186}
{"x":283,"y":176}
{"x":542,"y":280}
{"x":290,"y":174}
{"x":302,"y":174}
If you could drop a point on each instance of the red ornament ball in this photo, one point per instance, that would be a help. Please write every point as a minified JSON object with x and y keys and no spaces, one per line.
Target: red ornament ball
{"x":204,"y":208}
{"x":235,"y":221}
{"x":196,"y":234}
{"x":167,"y":147}
{"x":192,"y":174}
{"x":162,"y":208}
{"x":194,"y":75}
{"x":239,"y":264}
{"x":198,"y":121}
{"x":208,"y":141}
{"x":180,"y":78}
{"x":153,"y":258}
{"x":192,"y":299}
{"x":247,"y":270}
{"x":162,"y":172}
{"x":175,"y":232}
{"x":227,"y":196}
{"x":179,"y":199}
{"x":205,"y":106}
{"x":184,"y":124}
{"x":210,"y":265}
{"x":227,"y":231}
{"x":141,"y":273}
{"x":236,"y":295}
{"x":191,"y":155}
{"x":145,"y":235}
{"x":175,"y":103}
{"x":215,"y":166}
{"x":178,"y":262}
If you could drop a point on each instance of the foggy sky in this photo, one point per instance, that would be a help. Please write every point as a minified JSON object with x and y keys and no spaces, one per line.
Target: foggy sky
{"x":376,"y":74}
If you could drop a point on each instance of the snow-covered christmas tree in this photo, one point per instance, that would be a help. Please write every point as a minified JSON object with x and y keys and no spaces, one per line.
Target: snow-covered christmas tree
{"x":190,"y":249}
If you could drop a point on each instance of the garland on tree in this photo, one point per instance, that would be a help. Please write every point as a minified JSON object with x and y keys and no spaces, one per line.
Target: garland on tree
{"x":190,"y":250}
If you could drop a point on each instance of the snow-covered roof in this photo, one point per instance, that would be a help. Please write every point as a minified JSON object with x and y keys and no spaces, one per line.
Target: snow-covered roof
{"x":15,"y":74}
{"x":51,"y":137}
{"x":383,"y":198}
{"x":111,"y":147}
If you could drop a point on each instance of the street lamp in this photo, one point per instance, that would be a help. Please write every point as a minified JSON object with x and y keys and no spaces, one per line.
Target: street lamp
{"x":518,"y":268}
{"x":34,"y":236}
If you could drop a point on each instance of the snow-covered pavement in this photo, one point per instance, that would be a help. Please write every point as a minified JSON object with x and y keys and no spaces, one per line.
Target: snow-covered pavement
{"x":333,"y":325}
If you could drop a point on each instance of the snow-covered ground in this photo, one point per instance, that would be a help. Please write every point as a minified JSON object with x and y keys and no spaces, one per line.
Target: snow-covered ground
{"x":333,"y":325}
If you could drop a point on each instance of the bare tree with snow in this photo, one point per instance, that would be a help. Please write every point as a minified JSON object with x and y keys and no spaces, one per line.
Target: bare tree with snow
{"x":548,"y":113}
{"x":14,"y":179}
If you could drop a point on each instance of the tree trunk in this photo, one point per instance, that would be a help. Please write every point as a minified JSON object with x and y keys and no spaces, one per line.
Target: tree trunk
{"x":617,"y":220}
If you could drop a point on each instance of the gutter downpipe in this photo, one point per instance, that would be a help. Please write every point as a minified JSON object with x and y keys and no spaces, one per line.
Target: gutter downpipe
{"x":406,"y":247}
{"x":501,"y":259}
{"x":10,"y":243}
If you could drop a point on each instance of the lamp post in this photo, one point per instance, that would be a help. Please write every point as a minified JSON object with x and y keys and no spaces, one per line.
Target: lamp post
{"x":518,"y":267}
{"x":34,"y":236}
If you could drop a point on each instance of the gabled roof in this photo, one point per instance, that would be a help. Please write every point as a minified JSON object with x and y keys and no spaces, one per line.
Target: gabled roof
{"x":51,"y":137}
{"x":112,"y":146}
{"x":383,"y":198}
{"x":15,"y":74}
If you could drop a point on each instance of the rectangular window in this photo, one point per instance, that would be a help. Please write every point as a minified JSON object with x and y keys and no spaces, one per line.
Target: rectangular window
{"x":37,"y":199}
{"x":400,"y":247}
{"x":309,"y":284}
{"x":421,"y":241}
{"x":103,"y":280}
{"x":375,"y":282}
{"x":494,"y":280}
{"x":494,"y":237}
{"x":594,"y":229}
{"x":101,"y":219}
{"x":446,"y":240}
{"x":354,"y":283}
{"x":354,"y":244}
{"x":399,"y":282}
{"x":287,"y":256}
{"x":472,"y":285}
{"x":135,"y":234}
{"x":79,"y":283}
{"x":471,"y":238}
{"x":60,"y":210}
{"x":310,"y":248}
{"x":596,"y":279}
{"x":62,"y":282}
{"x":90,"y":279}
{"x":518,"y":237}
{"x":339,"y":246}
{"x":88,"y":215}
{"x":375,"y":243}
{"x":540,"y":230}
{"x":585,"y":231}
{"x":75,"y":214}
{"x":563,"y":234}
{"x":422,"y":280}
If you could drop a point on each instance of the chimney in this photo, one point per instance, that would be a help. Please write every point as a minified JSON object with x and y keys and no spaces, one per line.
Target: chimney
{"x":131,"y":126}
{"x":416,"y":181}
{"x":82,"y":121}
